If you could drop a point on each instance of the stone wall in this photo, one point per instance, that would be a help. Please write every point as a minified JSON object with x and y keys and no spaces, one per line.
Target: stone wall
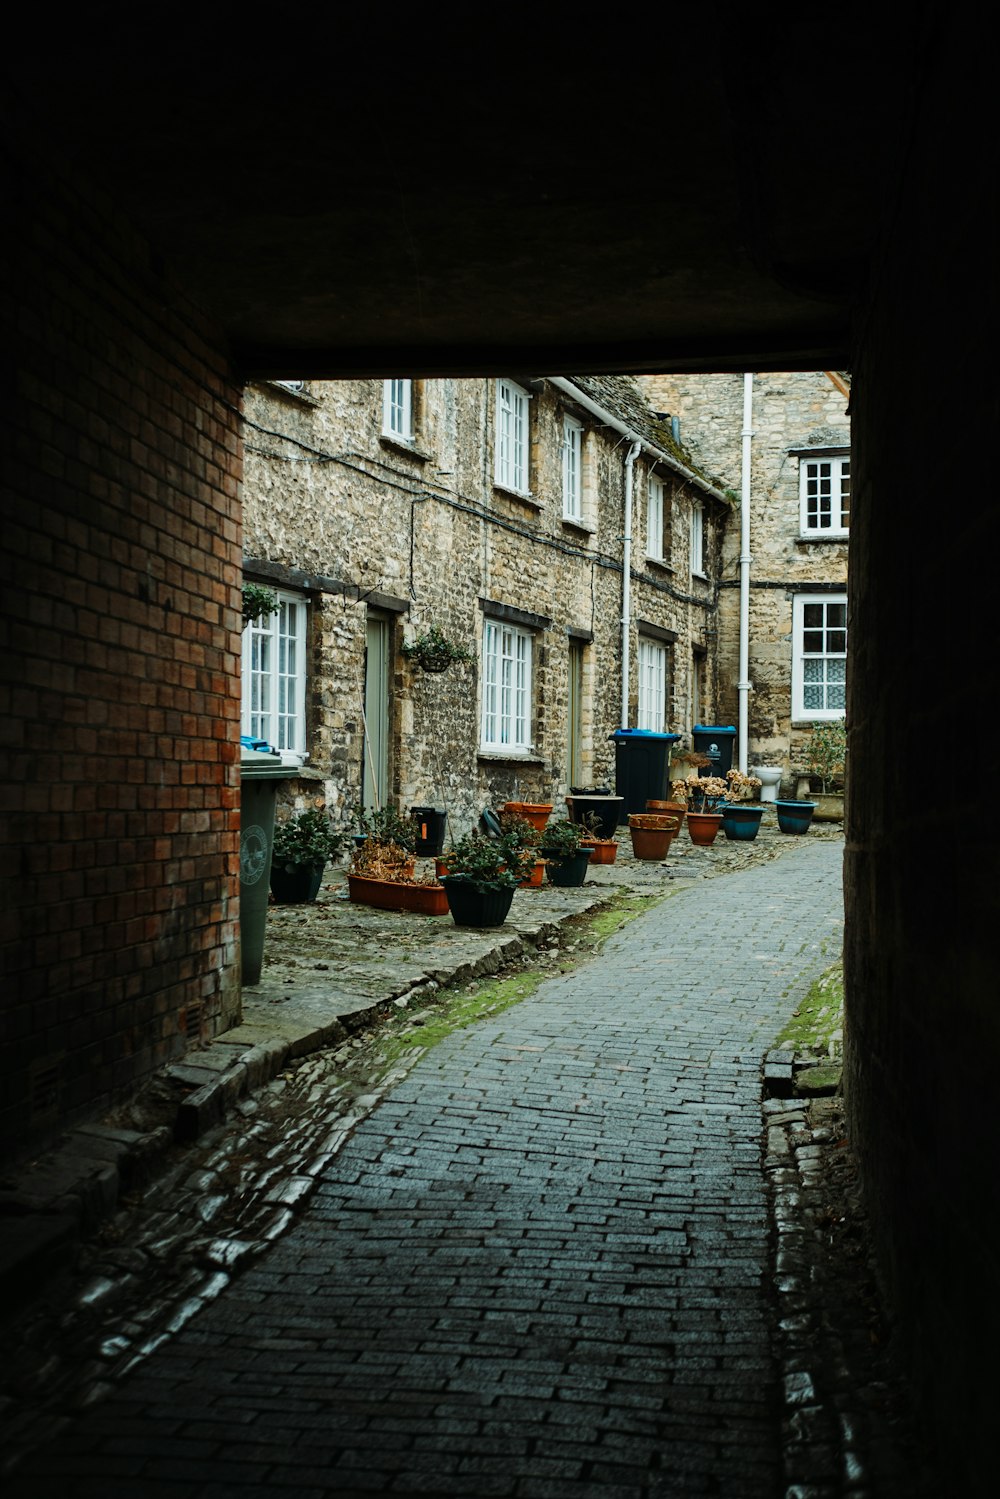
{"x":421,"y":532}
{"x":120,"y":663}
{"x":790,"y":411}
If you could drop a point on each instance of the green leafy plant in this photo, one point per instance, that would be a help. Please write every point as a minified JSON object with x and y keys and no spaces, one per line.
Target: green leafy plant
{"x":520,"y":830}
{"x":258,"y":602}
{"x":826,"y":753}
{"x":489,"y":863}
{"x":561,"y":840}
{"x":306,"y":838}
{"x":433,"y":651}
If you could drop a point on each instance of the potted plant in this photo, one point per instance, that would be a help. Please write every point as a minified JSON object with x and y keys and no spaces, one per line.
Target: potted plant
{"x":740,"y":814}
{"x":382,"y":866}
{"x":432,"y":651}
{"x":604,"y":848}
{"x":596,"y":807}
{"x":826,"y":757}
{"x":303,"y":845}
{"x":567,"y":857}
{"x":703,"y":818}
{"x":483,"y":874}
{"x":527,"y":838}
{"x":676,"y":805}
{"x":258,"y":602}
{"x":537,"y":813}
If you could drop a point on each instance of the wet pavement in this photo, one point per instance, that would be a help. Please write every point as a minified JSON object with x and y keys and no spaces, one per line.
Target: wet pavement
{"x":554,"y":1255}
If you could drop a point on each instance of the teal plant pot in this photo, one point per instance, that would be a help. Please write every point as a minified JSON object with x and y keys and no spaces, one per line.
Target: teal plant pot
{"x":571,"y":870}
{"x":741,"y":820}
{"x":795,"y":817}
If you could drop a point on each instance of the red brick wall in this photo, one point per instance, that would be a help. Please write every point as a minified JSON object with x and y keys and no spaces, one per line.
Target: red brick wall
{"x":119,"y":668}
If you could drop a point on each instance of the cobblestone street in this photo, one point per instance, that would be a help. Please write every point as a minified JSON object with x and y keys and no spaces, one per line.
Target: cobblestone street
{"x":549,"y":1260}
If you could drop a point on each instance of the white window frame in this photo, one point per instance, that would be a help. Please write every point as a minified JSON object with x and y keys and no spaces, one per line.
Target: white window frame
{"x":655,"y":509}
{"x":572,"y":470}
{"x":273,"y":689}
{"x":825,"y":497}
{"x":698,"y":538}
{"x":512,"y":443}
{"x":397,"y":409}
{"x":507,"y":673}
{"x":816,"y":652}
{"x":653,"y":663}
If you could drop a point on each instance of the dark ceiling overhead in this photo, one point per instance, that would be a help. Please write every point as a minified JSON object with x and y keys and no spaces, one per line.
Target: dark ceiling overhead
{"x":590,"y":195}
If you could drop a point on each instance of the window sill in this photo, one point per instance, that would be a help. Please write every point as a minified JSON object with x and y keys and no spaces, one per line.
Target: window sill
{"x":701,"y":577}
{"x":403,"y":445}
{"x":508,"y":757}
{"x":662,"y":565}
{"x":572,"y":523}
{"x":523,"y":496}
{"x":297,"y":397}
{"x":824,"y":538}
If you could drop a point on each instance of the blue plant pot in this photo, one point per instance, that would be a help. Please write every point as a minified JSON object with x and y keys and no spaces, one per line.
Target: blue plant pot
{"x":741,"y":821}
{"x":794,"y":817}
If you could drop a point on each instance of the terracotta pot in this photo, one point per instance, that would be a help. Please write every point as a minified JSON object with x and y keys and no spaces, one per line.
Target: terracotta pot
{"x":398,"y":895}
{"x":537,"y":813}
{"x":602,"y":853}
{"x":534,"y":879}
{"x":703,"y":827}
{"x":652,"y":834}
{"x":674,"y":809}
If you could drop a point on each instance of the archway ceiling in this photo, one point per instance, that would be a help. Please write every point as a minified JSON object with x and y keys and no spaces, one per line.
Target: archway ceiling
{"x":686,"y":195}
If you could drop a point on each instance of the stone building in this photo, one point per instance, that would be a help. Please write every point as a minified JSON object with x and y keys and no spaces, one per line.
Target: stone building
{"x":496,"y":511}
{"x":800,"y":485}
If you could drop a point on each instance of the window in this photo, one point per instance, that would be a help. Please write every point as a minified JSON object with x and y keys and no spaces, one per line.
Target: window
{"x":698,"y":538}
{"x":506,"y":687}
{"x":572,"y":469}
{"x":655,"y":511}
{"x":511,"y":466}
{"x":819,"y":655}
{"x":825,"y":495}
{"x":397,"y":409}
{"x":273,"y":706}
{"x":652,"y":685}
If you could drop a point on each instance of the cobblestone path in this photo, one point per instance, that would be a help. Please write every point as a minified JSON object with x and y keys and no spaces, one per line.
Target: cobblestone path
{"x":540,"y":1269}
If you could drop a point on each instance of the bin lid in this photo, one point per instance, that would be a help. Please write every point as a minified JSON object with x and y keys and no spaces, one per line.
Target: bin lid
{"x":642,"y":734}
{"x":261,"y":765}
{"x":717,"y":729}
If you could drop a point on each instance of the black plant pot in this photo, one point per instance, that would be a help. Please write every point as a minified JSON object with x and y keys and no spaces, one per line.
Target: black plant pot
{"x":295,"y":886}
{"x":472,"y":907}
{"x":604,"y":809}
{"x":571,"y":868}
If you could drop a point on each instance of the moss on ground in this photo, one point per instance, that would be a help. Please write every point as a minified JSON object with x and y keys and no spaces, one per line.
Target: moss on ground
{"x":454,"y":1009}
{"x":818,"y":1020}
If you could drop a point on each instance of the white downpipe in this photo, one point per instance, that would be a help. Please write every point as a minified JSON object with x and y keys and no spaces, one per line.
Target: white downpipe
{"x":743,"y":685}
{"x":630,"y":458}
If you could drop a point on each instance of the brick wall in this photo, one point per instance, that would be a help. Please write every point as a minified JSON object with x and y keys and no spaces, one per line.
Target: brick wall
{"x":119,"y":670}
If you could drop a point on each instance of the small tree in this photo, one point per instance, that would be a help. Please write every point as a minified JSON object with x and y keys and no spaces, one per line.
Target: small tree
{"x":826,"y":753}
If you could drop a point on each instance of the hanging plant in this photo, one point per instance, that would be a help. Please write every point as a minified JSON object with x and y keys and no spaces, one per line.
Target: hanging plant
{"x":433,"y":651}
{"x":258,"y":602}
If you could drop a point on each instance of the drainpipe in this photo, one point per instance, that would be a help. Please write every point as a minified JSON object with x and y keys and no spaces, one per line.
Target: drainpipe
{"x":630,"y":458}
{"x":743,"y":685}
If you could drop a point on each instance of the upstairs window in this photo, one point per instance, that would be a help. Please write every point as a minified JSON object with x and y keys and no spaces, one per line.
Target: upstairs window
{"x":572,"y":470}
{"x":698,"y":538}
{"x":652,"y":685}
{"x":511,"y":458}
{"x":655,"y":516}
{"x":274,"y":683}
{"x":506,"y":721}
{"x":825,"y":495}
{"x":397,"y":409}
{"x":819,"y":656}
